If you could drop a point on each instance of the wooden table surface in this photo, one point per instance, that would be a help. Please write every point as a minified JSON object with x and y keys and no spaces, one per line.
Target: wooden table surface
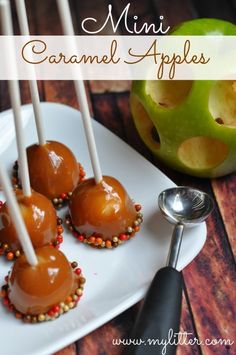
{"x":209,"y":304}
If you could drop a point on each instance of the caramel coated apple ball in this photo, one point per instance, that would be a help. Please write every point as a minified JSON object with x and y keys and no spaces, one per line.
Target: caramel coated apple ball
{"x":103,"y":214}
{"x":42,"y":289}
{"x":39,"y":216}
{"x":53,"y":169}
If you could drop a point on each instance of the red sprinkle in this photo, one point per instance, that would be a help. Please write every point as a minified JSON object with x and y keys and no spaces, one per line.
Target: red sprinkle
{"x":80,"y":238}
{"x":11,"y":308}
{"x":55,"y":309}
{"x":51,"y":313}
{"x":75,"y":234}
{"x":60,"y":238}
{"x":122,"y":236}
{"x":78,"y":271}
{"x":63,"y":196}
{"x":6,"y":301}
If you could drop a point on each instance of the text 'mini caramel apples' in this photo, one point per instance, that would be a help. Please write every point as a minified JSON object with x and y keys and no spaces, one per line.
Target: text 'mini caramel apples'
{"x":41,"y":222}
{"x":54,"y":171}
{"x":44,"y":291}
{"x":103,"y":215}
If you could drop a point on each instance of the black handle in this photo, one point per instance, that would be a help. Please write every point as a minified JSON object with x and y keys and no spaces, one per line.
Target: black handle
{"x":159,"y":316}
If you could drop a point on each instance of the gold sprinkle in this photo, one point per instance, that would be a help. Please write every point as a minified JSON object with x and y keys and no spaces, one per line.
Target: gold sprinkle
{"x":41,"y":318}
{"x":66,"y":308}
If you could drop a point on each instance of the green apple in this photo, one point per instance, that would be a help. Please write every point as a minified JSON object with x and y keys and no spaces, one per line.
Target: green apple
{"x":190,"y":125}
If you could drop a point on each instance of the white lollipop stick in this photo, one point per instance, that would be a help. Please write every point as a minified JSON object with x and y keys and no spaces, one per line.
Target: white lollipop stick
{"x":16,"y":101}
{"x":17,"y":219}
{"x":68,"y":29}
{"x":24,"y":29}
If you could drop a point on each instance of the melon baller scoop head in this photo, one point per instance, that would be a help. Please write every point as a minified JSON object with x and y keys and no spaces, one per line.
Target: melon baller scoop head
{"x":159,"y":317}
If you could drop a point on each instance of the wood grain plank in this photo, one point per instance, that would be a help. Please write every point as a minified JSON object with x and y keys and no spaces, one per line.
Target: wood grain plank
{"x":46,"y":18}
{"x":60,"y":91}
{"x":211,"y":283}
{"x":63,"y":91}
{"x":187,"y":325}
{"x":105,"y":86}
{"x":225,"y":194}
{"x":132,"y":136}
{"x":105,"y":111}
{"x":25,"y":94}
{"x":68,"y":350}
{"x":32,"y":16}
{"x":4,"y":96}
{"x":100,"y":341}
{"x":94,"y":9}
{"x":137,"y":7}
{"x":175,"y":11}
{"x":224,"y":11}
{"x":234,"y":4}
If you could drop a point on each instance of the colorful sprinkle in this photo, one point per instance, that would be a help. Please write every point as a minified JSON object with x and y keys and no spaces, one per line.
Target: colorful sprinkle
{"x":97,"y":241}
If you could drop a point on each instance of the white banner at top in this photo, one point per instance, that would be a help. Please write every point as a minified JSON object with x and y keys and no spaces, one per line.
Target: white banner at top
{"x":118,"y":57}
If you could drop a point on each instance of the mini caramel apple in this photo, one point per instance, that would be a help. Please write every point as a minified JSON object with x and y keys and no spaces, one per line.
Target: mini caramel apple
{"x":103,"y":214}
{"x":53,"y":170}
{"x":41,"y":222}
{"x":44,"y":291}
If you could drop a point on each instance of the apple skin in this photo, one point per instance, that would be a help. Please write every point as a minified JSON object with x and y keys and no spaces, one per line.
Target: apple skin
{"x":204,"y":27}
{"x":214,"y":154}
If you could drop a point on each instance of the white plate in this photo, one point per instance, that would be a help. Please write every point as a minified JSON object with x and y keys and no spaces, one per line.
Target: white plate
{"x":116,"y":279}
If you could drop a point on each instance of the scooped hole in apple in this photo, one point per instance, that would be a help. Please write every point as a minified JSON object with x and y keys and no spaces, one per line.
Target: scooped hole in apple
{"x":222,"y":102}
{"x":202,"y":153}
{"x":144,"y":123}
{"x":168,"y":93}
